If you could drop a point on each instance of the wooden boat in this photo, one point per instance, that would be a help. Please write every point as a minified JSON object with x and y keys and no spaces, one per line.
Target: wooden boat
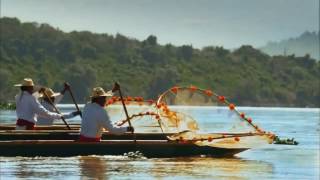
{"x":53,"y":127}
{"x":62,"y":142}
{"x":73,"y":135}
{"x":149,"y":148}
{"x":60,"y":131}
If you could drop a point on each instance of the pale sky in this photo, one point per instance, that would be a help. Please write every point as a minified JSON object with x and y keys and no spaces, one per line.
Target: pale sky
{"x":228,"y":23}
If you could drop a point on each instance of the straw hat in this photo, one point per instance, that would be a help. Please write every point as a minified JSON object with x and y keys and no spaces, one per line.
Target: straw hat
{"x":99,"y":92}
{"x":49,"y":92}
{"x":25,"y":82}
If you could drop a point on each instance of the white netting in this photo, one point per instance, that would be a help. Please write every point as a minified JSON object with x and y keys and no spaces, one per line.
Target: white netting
{"x":207,"y":106}
{"x":177,"y":111}
{"x":142,"y":114}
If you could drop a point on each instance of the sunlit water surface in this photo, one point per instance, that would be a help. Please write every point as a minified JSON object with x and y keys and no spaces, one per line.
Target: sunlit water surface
{"x":269,"y":162}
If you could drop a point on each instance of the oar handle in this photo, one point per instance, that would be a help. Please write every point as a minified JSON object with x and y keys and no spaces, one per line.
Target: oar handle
{"x":125,"y":109}
{"x":56,"y":109}
{"x":74,"y":100}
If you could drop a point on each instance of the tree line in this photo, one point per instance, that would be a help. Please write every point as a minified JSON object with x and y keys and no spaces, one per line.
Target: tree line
{"x":246,"y":76}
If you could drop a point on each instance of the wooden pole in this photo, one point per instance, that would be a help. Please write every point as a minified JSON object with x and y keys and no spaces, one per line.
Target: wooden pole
{"x":56,"y":109}
{"x":74,"y":100}
{"x":126,"y":111}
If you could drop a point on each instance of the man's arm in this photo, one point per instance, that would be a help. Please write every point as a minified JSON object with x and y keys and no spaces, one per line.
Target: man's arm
{"x":40,"y":110}
{"x":58,"y":99}
{"x":107,"y":124}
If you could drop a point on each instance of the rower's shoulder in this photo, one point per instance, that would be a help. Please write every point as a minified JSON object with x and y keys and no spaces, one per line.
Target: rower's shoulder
{"x":91,"y":107}
{"x":88,"y":105}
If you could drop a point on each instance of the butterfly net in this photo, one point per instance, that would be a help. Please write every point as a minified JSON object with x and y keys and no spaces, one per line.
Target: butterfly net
{"x":194,"y":115}
{"x":142,"y":114}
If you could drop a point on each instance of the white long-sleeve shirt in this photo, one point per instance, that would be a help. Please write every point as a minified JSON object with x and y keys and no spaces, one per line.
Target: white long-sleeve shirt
{"x":43,"y":120}
{"x":28,"y":108}
{"x":94,"y":119}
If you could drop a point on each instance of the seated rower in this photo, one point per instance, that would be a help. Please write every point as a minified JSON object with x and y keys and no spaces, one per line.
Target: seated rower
{"x":28,"y":107}
{"x":95,"y":118}
{"x":55,"y":98}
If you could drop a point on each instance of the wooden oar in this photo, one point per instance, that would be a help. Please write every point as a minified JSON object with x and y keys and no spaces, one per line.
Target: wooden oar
{"x":56,"y":109}
{"x":74,"y":100}
{"x":125,"y":109}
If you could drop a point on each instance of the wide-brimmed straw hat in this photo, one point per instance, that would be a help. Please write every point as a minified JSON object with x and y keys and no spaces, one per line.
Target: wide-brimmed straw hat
{"x":49,"y":92}
{"x":25,"y":82}
{"x":99,"y":92}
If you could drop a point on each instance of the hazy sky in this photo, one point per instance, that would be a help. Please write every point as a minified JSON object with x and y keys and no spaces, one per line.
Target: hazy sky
{"x":228,"y":23}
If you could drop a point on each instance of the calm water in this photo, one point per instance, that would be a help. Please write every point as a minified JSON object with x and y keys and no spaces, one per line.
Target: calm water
{"x":270,"y":162}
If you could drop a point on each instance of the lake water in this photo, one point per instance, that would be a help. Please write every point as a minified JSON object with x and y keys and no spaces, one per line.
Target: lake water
{"x":269,"y":162}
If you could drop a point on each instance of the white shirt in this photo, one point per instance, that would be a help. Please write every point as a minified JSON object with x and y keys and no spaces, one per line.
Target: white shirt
{"x":44,"y":120}
{"x":94,"y":119}
{"x":28,"y":108}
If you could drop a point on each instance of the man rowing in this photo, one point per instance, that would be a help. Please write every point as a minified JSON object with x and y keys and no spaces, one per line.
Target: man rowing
{"x":48,"y":97}
{"x":28,"y":107}
{"x":95,"y":118}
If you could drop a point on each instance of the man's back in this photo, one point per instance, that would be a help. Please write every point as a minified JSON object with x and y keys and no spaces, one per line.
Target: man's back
{"x":94,"y":119}
{"x":91,"y":116}
{"x":25,"y":106}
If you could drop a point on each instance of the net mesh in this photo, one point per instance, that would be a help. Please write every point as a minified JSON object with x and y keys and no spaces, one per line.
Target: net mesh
{"x":194,"y":115}
{"x":142,"y":113}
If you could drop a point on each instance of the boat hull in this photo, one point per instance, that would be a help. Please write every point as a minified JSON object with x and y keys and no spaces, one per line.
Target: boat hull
{"x":10,"y":135}
{"x":153,"y":148}
{"x":43,"y":127}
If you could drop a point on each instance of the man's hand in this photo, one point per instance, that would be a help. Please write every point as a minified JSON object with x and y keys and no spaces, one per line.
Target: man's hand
{"x":66,"y":87}
{"x":120,"y":123}
{"x":75,"y":113}
{"x":130,"y":129}
{"x":116,"y":87}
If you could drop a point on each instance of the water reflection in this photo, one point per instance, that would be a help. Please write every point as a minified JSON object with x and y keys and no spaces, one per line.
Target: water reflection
{"x":92,"y":167}
{"x":207,"y":167}
{"x":26,"y":169}
{"x":37,"y":167}
{"x":100,"y":167}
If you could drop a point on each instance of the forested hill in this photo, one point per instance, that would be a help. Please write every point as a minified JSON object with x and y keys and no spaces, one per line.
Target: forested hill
{"x":306,"y":43}
{"x":245,"y":76}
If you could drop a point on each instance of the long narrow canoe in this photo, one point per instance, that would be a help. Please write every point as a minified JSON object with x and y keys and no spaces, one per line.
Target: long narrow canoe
{"x":6,"y":135}
{"x":41,"y":127}
{"x":52,"y":127}
{"x":61,"y":132}
{"x":149,"y":148}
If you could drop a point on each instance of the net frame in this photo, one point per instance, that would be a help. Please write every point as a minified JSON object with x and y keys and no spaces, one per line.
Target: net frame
{"x":161,"y":110}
